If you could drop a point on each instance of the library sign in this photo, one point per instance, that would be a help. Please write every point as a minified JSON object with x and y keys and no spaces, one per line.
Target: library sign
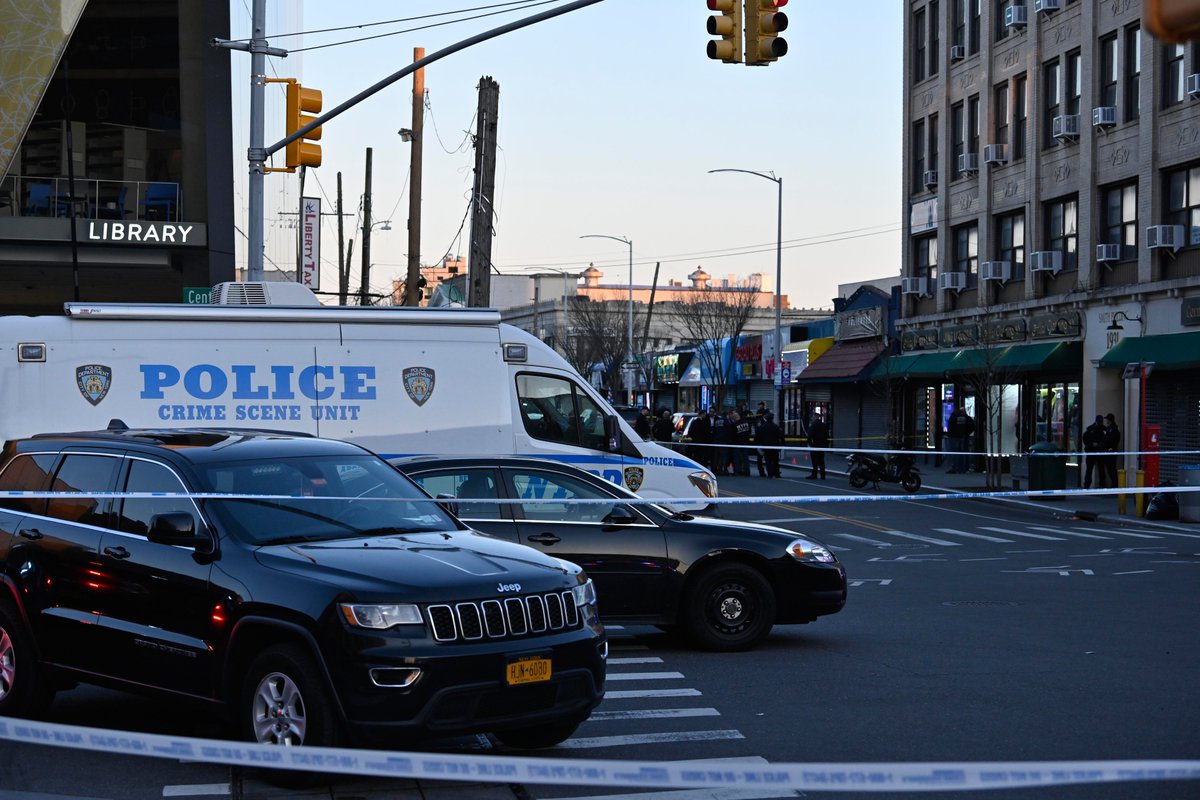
{"x":141,"y":233}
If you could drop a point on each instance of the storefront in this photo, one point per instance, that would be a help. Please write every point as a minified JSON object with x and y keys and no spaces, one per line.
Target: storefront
{"x":798,"y":403}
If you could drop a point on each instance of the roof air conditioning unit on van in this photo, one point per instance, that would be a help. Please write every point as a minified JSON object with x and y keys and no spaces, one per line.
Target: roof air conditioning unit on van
{"x":1159,"y":237}
{"x":1065,"y":127}
{"x":953,"y":281}
{"x":1104,"y":116}
{"x":930,"y":179}
{"x":265,"y":293}
{"x":1016,"y":16}
{"x":917,"y":286}
{"x":996,"y":271}
{"x":1047,"y":6}
{"x":1108,"y":252}
{"x":1193,"y":85}
{"x":994,"y":154}
{"x":958,"y":52}
{"x":1046,"y":261}
{"x":968,"y":163}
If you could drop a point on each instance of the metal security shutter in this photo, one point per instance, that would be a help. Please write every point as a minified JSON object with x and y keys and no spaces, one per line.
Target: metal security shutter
{"x":818,"y":394}
{"x":874,"y":420}
{"x":761,"y":391}
{"x":1172,"y":401}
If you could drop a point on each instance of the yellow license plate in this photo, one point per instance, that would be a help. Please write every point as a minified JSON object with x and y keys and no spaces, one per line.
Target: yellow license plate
{"x":528,"y":670}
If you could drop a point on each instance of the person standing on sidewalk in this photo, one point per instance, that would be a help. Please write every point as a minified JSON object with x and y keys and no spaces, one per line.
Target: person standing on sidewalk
{"x":1093,"y":446}
{"x":701,"y":432}
{"x":818,"y":436}
{"x":770,"y":436}
{"x":1112,"y":446}
{"x":959,"y":427}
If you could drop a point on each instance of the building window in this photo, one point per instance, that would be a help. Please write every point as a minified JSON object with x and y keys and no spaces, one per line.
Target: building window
{"x":925,"y":259}
{"x":1052,"y":92}
{"x":1074,"y":82}
{"x":935,"y":22}
{"x":973,"y":124}
{"x":1183,"y":201}
{"x":973,"y":30}
{"x":919,"y":54}
{"x":918,"y":155}
{"x":1120,"y":218}
{"x":1173,"y":75}
{"x":1010,"y":241}
{"x":1062,"y":233}
{"x":1001,"y":7}
{"x":1108,"y":71}
{"x":958,"y":130}
{"x":1133,"y":72}
{"x":1020,"y":116}
{"x":966,"y":252}
{"x":1000,"y":114}
{"x":960,"y":24}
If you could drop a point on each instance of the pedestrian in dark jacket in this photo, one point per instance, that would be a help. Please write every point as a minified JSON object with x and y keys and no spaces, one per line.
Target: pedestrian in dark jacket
{"x":663,"y":428}
{"x":741,"y":455}
{"x":701,"y":434}
{"x":770,"y":436}
{"x":959,"y":428}
{"x":1112,"y":446}
{"x":723,"y":436}
{"x":642,"y":424}
{"x":1093,"y":445}
{"x":818,"y":436}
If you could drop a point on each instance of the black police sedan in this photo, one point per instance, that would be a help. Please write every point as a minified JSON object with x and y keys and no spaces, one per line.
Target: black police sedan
{"x":724,"y":582}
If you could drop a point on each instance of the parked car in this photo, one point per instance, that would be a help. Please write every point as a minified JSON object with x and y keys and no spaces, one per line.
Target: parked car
{"x":378,"y":619}
{"x":628,"y":413}
{"x":683,"y":424}
{"x":724,"y":582}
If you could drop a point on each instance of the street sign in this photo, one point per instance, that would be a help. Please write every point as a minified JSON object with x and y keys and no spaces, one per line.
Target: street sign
{"x":630,"y":365}
{"x":197,"y":295}
{"x":785,"y":373}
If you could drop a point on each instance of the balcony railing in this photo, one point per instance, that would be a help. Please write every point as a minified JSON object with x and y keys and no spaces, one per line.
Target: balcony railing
{"x":25,"y":196}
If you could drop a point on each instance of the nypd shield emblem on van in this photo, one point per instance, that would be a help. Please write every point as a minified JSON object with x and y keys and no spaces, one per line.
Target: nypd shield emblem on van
{"x":633,"y":478}
{"x":418,"y":382}
{"x":93,"y":381}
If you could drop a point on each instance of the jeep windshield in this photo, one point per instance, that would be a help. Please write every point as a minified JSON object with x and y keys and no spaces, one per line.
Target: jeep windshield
{"x":318,"y":498}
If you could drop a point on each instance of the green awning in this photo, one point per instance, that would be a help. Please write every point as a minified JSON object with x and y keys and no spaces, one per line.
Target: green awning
{"x":1167,"y":351}
{"x":1022,"y":358}
{"x":915,"y":365}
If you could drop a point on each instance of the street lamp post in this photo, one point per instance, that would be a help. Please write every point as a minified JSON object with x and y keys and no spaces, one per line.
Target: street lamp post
{"x":778,"y":280}
{"x":629,"y":333}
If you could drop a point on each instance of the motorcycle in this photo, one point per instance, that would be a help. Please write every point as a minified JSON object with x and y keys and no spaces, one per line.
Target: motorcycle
{"x":870,"y":468}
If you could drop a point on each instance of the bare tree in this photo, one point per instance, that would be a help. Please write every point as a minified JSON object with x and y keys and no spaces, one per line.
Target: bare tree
{"x":599,"y":335}
{"x":709,"y":316}
{"x":987,"y":377}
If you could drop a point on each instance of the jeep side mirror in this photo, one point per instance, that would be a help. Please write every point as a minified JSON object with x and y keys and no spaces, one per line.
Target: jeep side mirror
{"x":175,"y":528}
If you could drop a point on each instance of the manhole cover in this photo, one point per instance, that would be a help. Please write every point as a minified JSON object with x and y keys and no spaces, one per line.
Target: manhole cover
{"x":979,"y":603}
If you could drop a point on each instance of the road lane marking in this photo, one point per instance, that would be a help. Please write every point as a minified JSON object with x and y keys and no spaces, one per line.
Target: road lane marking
{"x":196,"y":790}
{"x":1117,"y":531}
{"x":926,"y":539}
{"x":854,"y":538}
{"x":984,"y":537}
{"x":649,"y":738}
{"x":631,"y":694}
{"x":1073,"y":532}
{"x":1134,"y":572}
{"x":636,"y":660}
{"x":1021,"y":533}
{"x":780,"y":520}
{"x":645,"y":676}
{"x":652,"y":713}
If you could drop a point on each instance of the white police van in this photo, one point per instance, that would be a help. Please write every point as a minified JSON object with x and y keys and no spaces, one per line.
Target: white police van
{"x":399,"y":381}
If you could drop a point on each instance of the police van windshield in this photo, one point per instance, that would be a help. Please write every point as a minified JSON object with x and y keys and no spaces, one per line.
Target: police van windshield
{"x":317,"y":498}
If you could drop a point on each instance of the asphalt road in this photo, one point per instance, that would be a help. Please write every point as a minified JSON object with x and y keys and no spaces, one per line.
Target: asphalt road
{"x":974,"y":632}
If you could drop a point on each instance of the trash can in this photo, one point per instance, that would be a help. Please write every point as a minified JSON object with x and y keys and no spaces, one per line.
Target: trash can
{"x":1189,"y":502}
{"x":1047,"y":469}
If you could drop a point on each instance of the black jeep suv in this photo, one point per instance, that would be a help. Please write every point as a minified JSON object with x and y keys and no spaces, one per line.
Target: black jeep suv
{"x":305,"y":584}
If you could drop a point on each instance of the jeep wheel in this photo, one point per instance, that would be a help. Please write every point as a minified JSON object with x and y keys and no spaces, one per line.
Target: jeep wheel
{"x":539,"y":736}
{"x":23,"y":692}
{"x":283,"y":701}
{"x":730,"y":608}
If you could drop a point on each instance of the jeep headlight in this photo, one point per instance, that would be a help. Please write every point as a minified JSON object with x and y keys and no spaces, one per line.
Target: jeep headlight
{"x":584,"y":593}
{"x":380,"y":617}
{"x":705,"y":482}
{"x":804,"y":550}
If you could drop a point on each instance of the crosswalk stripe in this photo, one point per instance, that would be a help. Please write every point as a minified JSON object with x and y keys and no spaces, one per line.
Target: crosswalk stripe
{"x":1119,"y":532}
{"x":650,"y":738}
{"x":630,"y":694}
{"x":956,"y":532}
{"x":635,"y":660}
{"x":644,"y":676}
{"x":926,"y":539}
{"x":1025,"y":534}
{"x":653,"y":713}
{"x":196,"y":790}
{"x":864,"y":540}
{"x":1070,"y":532}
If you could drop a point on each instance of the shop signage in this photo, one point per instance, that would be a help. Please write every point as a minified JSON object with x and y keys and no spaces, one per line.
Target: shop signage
{"x":861,"y":323}
{"x":141,"y":233}
{"x":1055,"y":326}
{"x":960,"y":335}
{"x":666,"y":368}
{"x":751,"y":351}
{"x":1189,"y":311}
{"x":1007,"y":330}
{"x":919,"y":339}
{"x":310,"y":242}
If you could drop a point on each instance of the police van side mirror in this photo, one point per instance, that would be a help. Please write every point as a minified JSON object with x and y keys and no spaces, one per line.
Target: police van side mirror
{"x":175,"y":528}
{"x":612,"y":432}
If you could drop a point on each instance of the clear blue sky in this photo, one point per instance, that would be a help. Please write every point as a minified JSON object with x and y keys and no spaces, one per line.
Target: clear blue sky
{"x":610,"y":118}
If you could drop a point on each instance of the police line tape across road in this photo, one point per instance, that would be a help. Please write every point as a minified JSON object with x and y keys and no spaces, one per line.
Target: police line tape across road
{"x":677,"y":446}
{"x":823,"y":776}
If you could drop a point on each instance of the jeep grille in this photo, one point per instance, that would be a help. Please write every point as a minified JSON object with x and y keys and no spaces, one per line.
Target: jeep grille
{"x":509,"y":618}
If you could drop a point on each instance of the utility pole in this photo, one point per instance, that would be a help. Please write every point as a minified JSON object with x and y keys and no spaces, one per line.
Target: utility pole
{"x":479,"y":261}
{"x":412,"y":284}
{"x":365,"y":289}
{"x":343,"y":264}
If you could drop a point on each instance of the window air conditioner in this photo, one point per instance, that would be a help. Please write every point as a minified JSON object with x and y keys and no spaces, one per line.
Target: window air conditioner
{"x":1046,"y":261}
{"x":1046,"y":6}
{"x":1065,"y":126}
{"x":917,"y":286}
{"x":994,"y":154}
{"x":968,"y":163}
{"x":953,"y":281}
{"x":930,"y":179}
{"x":958,"y":52}
{"x":1104,"y":116}
{"x":1163,"y":236}
{"x":1108,"y":252}
{"x":1016,"y":16}
{"x":996,"y":271}
{"x":1193,"y":85}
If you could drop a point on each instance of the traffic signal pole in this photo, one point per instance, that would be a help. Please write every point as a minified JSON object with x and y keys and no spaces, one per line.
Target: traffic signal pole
{"x":257,"y":154}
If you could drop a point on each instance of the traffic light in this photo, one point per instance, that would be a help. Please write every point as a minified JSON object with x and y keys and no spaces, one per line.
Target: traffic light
{"x":302,"y":152}
{"x":1173,"y":20}
{"x":729,"y":27}
{"x":763,"y":26}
